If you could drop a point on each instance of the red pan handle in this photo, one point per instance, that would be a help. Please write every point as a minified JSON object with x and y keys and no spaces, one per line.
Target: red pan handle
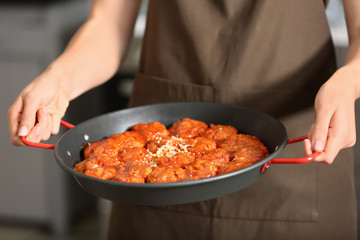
{"x":292,"y":160}
{"x":44,"y":145}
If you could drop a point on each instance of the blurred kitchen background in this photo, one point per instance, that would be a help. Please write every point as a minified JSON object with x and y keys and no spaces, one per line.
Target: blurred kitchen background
{"x":38,"y":200}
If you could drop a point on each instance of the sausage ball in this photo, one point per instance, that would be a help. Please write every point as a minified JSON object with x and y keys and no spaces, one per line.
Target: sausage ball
{"x":201,"y":169}
{"x":201,"y":145}
{"x":169,"y":173}
{"x":106,"y":173}
{"x":232,"y":166}
{"x":251,"y":154}
{"x":240,"y":141}
{"x":131,"y":154}
{"x":218,"y":157}
{"x":219,"y":132}
{"x":115,"y":143}
{"x":180,"y":159}
{"x":127,"y":139}
{"x":133,"y":171}
{"x":188,"y":128}
{"x":151,"y":131}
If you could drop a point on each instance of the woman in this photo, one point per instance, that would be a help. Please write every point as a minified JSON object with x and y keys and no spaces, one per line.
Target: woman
{"x":273,"y":56}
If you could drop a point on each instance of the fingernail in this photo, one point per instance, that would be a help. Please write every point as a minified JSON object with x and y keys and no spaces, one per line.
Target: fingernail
{"x":318,"y":145}
{"x":23,"y":131}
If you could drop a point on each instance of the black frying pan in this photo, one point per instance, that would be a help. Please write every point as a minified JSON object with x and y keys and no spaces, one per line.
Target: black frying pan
{"x":269,"y":130}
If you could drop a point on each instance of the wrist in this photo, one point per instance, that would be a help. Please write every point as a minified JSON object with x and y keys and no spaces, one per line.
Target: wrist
{"x":62,"y":79}
{"x":352,"y":72}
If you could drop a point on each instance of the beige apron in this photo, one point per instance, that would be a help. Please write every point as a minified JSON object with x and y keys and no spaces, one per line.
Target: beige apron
{"x":271,"y":55}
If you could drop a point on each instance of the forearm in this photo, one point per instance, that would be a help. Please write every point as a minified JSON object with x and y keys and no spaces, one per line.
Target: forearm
{"x":334,"y":127}
{"x":352,"y":59}
{"x":95,"y":52}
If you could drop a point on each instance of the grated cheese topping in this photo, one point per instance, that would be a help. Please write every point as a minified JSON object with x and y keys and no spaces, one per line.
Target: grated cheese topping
{"x":171,"y":147}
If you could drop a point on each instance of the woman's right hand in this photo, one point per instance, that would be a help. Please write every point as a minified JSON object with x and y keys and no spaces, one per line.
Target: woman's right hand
{"x":91,"y":58}
{"x":37,"y":111}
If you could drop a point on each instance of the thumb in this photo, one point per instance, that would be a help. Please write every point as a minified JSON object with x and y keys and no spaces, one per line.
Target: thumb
{"x":28,"y":117}
{"x":319,"y":132}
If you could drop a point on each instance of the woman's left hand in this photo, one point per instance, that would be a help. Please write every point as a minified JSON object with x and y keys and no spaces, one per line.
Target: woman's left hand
{"x":334,"y":128}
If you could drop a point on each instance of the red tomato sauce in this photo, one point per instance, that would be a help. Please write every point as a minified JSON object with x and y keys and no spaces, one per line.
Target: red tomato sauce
{"x":188,"y":150}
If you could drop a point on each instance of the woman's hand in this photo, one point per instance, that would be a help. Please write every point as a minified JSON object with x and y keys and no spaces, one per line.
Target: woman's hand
{"x":91,"y":58}
{"x":334,"y":128}
{"x":37,"y":111}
